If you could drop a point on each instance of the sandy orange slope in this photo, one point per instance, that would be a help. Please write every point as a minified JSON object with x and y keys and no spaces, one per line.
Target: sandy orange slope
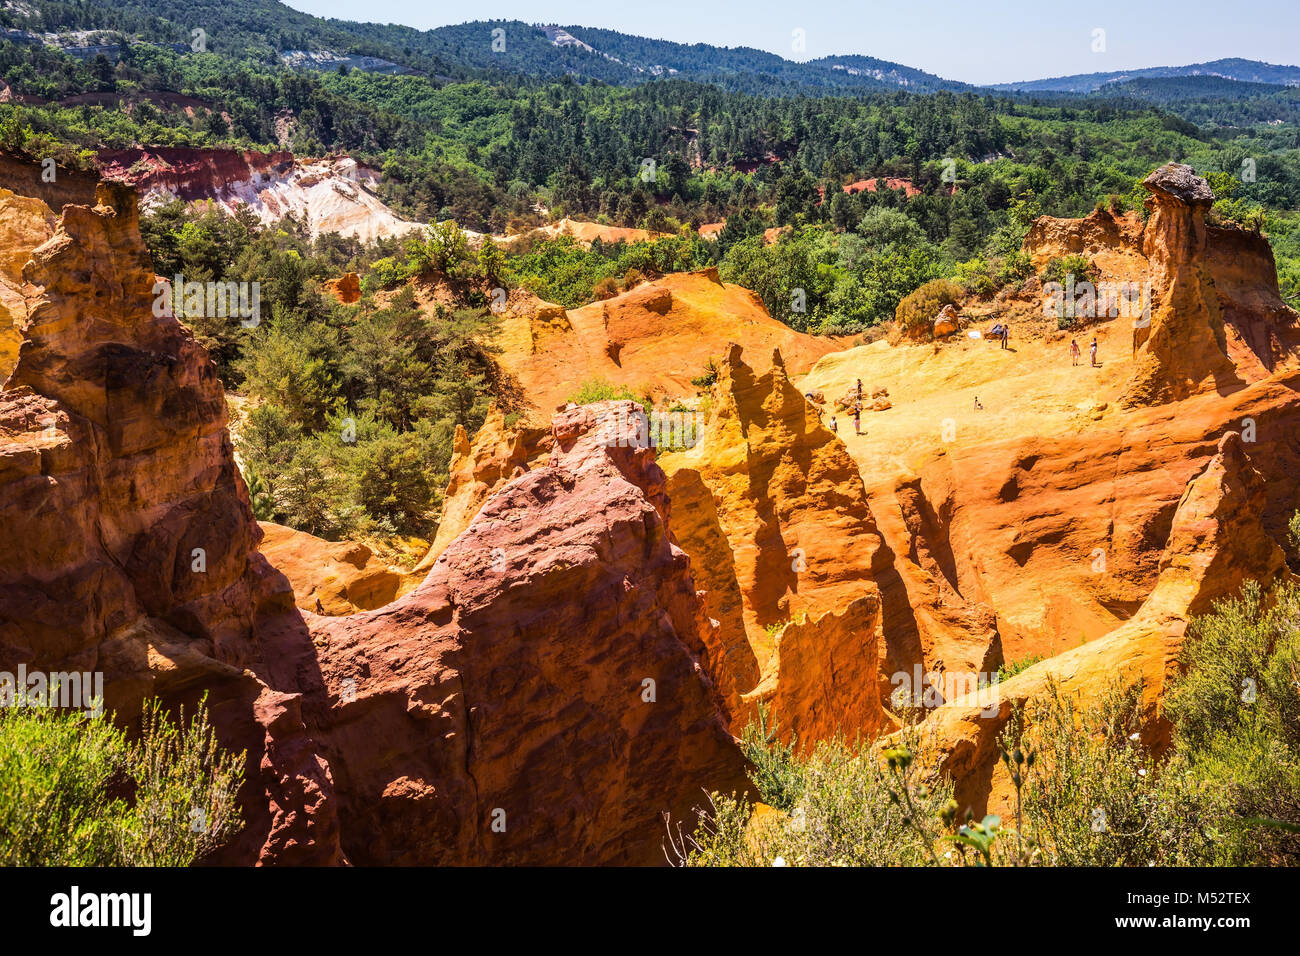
{"x":653,"y":339}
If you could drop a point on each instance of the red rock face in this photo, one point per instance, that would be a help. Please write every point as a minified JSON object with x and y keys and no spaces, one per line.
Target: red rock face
{"x":133,"y":547}
{"x":501,"y":712}
{"x":121,"y":477}
{"x":548,"y":668}
{"x":26,"y":178}
{"x":190,"y":174}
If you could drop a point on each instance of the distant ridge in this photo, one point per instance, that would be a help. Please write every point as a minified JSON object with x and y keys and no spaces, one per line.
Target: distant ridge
{"x":1249,"y":71}
{"x":272,"y":32}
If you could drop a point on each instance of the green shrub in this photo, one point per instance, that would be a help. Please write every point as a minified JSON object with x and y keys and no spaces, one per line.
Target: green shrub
{"x":599,"y":390}
{"x":842,"y":805}
{"x":775,"y":771}
{"x":1095,"y":795}
{"x":1236,"y":717}
{"x":1088,"y":789}
{"x":75,"y":792}
{"x":1014,"y":268}
{"x":915,"y":314}
{"x":974,"y":277}
{"x":1012,"y":668}
{"x":707,"y":379}
{"x":1063,"y":267}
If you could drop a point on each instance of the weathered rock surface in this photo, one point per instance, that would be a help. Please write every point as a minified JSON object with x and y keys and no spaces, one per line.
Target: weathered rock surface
{"x":327,"y":195}
{"x":1113,"y":243}
{"x":498,"y":454}
{"x":134,"y":549}
{"x":946,"y":323}
{"x":394,"y":734}
{"x":510,"y":687}
{"x":1215,"y":290}
{"x":1216,"y":542}
{"x":1184,"y":348}
{"x":329,"y":577}
{"x":1046,"y":506}
{"x":771,"y":507}
{"x":29,"y":177}
{"x":821,"y":680}
{"x":346,"y":288}
{"x":654,"y":338}
{"x":24,"y":224}
{"x":584,"y":232}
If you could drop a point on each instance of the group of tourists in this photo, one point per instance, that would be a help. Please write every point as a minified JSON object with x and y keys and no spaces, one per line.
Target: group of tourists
{"x":857,"y":414}
{"x":999,"y":331}
{"x":1092,"y":352}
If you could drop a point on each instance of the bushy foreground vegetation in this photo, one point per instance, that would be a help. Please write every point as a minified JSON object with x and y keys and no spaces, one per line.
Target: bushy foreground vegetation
{"x":75,"y":791}
{"x":1088,"y":789}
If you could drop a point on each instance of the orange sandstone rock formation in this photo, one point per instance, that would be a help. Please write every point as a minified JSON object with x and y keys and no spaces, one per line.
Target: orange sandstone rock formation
{"x":540,"y":696}
{"x":1216,"y":542}
{"x":329,"y":577}
{"x":1183,"y":349}
{"x":544,"y":708}
{"x":24,"y":224}
{"x":1216,"y":320}
{"x":820,"y":681}
{"x":772,"y":508}
{"x":346,"y":288}
{"x":133,"y":548}
{"x":1042,"y":513}
{"x":654,"y":338}
{"x":584,"y":232}
{"x":498,"y":454}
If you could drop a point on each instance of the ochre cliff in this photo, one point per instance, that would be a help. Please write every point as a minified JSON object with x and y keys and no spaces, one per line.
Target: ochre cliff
{"x":546,"y":677}
{"x":591,"y":625}
{"x":774,"y":511}
{"x":24,"y":224}
{"x":653,"y":339}
{"x":1184,"y":349}
{"x":326,"y":195}
{"x":498,"y":454}
{"x":329,"y":577}
{"x":1216,"y":542}
{"x":1043,"y":510}
{"x":548,"y":667}
{"x":133,"y":549}
{"x":1216,"y":320}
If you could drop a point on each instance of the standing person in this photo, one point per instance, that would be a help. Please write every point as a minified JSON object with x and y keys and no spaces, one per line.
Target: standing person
{"x":1006,"y":331}
{"x":834,"y":426}
{"x":857,"y":419}
{"x":1092,"y":351}
{"x":1074,"y":352}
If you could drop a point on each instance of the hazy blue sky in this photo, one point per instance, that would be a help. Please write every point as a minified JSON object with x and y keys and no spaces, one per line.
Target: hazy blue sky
{"x":982,"y":41}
